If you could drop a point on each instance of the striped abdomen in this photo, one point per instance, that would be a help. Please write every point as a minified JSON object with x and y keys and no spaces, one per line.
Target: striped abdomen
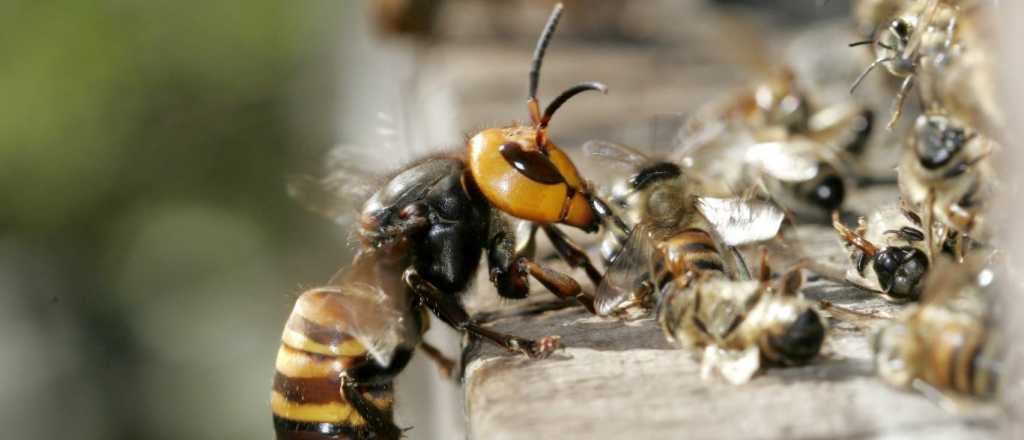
{"x":691,"y":249}
{"x":961,"y":358}
{"x":307,"y":398}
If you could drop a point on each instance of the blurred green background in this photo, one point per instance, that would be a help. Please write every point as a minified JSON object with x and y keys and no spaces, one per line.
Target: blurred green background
{"x":145,"y":233}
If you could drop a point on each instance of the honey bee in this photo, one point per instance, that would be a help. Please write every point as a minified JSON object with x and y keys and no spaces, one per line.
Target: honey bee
{"x":421,"y":237}
{"x":663,"y":202}
{"x":680,"y":227}
{"x":946,"y":174}
{"x":888,"y":254}
{"x":950,"y":341}
{"x":920,"y":40}
{"x":742,"y":324}
{"x":784,"y":145}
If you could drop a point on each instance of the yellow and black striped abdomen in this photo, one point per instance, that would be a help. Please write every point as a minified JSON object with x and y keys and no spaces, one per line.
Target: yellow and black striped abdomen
{"x":961,"y":358}
{"x":307,"y":398}
{"x":692,"y":250}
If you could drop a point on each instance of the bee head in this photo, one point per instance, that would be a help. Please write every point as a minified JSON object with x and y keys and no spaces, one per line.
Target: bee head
{"x":893,"y":45}
{"x":939,"y":140}
{"x":900,"y":270}
{"x":827,"y":193}
{"x":894,"y":354}
{"x":798,"y":331}
{"x":823,"y":193}
{"x":799,"y":341}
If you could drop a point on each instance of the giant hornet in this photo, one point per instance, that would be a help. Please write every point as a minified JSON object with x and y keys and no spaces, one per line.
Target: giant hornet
{"x":679,"y":259}
{"x":421,"y":236}
{"x":950,"y":341}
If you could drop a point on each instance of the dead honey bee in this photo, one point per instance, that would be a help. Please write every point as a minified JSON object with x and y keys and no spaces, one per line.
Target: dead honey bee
{"x":888,"y":254}
{"x":742,"y":324}
{"x":950,"y":341}
{"x":422,"y":235}
{"x":921,"y":41}
{"x":946,"y":175}
{"x":773,"y":138}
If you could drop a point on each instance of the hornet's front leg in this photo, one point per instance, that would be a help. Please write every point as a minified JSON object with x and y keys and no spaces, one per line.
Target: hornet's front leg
{"x":447,"y":308}
{"x":572,"y":253}
{"x":509,"y":267}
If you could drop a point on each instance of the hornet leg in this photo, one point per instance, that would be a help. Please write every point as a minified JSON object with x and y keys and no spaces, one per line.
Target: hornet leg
{"x":572,"y":253}
{"x":379,"y":421}
{"x":448,"y":309}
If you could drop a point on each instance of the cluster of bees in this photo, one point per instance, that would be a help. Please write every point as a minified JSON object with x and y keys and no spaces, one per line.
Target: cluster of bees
{"x":677,"y":231}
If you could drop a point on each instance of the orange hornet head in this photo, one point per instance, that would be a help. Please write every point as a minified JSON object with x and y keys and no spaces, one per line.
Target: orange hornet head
{"x":522,"y":173}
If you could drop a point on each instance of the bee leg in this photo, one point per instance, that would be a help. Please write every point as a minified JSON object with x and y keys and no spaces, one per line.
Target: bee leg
{"x":571,"y":253}
{"x":897,"y":108}
{"x":379,"y":421}
{"x":929,"y":223}
{"x":741,"y":263}
{"x":445,"y":365}
{"x":448,"y":309}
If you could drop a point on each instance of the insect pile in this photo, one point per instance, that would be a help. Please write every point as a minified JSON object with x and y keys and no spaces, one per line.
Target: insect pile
{"x":689,"y":235}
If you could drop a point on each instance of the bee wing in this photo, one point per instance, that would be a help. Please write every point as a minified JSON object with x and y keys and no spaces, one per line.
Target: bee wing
{"x":789,"y":161}
{"x":625,"y":277}
{"x":366,"y":305}
{"x":740,"y":221}
{"x":337,"y":196}
{"x":615,"y":153}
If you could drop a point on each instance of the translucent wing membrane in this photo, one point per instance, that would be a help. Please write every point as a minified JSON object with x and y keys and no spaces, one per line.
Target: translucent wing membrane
{"x":337,"y":196}
{"x":741,"y":221}
{"x":615,"y":153}
{"x":630,"y":276}
{"x":366,"y":304}
{"x":790,"y":161}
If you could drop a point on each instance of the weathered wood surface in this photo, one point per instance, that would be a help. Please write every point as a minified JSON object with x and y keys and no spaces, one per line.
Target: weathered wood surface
{"x":623,"y":380}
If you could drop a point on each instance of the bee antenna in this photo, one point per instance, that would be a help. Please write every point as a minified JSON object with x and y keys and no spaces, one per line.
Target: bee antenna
{"x":569,"y":93}
{"x":860,"y":43}
{"x":864,"y":74}
{"x":538,"y":58}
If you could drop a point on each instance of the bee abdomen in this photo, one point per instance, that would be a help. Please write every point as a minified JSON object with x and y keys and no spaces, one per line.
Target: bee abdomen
{"x":962,"y":360}
{"x":693,"y":249}
{"x":307,"y":399}
{"x":985,"y":366}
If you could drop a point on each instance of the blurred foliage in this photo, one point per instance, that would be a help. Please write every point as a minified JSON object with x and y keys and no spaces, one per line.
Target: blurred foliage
{"x":143,"y":221}
{"x":126,"y":102}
